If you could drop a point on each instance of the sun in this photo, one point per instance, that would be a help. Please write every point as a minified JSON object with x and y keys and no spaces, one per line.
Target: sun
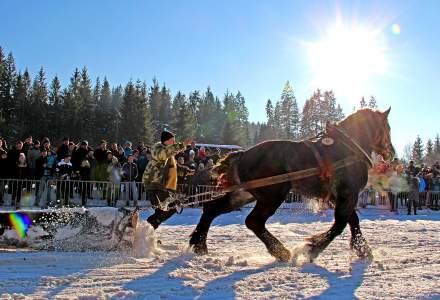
{"x":346,"y":59}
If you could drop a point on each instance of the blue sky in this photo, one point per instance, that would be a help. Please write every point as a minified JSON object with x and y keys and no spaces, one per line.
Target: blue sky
{"x":251,"y":46}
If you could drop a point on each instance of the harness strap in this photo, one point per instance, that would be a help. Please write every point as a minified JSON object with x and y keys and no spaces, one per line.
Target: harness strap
{"x":315,"y":152}
{"x":350,"y":143}
{"x":291,"y":176}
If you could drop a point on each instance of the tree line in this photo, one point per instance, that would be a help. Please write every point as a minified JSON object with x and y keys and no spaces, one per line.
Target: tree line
{"x":84,"y":109}
{"x":423,"y":153}
{"x":285,"y":121}
{"x":95,"y":110}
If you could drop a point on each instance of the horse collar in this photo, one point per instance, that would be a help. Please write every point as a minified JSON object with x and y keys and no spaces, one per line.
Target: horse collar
{"x":351,"y":143}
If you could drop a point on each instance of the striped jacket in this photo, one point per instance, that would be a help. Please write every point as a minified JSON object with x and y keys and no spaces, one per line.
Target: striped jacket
{"x":161,"y":171}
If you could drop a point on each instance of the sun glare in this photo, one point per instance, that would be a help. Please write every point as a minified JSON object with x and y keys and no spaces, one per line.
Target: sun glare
{"x":346,"y":60}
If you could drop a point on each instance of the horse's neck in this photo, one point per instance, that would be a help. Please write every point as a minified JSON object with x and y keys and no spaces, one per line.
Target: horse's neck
{"x":358,"y":133}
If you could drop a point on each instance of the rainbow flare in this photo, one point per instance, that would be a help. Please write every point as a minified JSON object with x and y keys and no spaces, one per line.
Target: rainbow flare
{"x":20,"y":222}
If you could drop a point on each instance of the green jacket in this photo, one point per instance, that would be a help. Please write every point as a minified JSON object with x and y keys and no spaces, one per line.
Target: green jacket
{"x":162,"y":167}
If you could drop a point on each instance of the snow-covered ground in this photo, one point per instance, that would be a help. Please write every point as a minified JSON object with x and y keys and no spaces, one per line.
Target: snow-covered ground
{"x":406,"y":263}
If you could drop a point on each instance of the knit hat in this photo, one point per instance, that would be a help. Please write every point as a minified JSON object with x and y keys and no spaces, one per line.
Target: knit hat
{"x":165,"y":136}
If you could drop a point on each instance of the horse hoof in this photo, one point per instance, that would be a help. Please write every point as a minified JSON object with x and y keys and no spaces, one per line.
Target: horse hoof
{"x":283,"y":255}
{"x":200,"y":249}
{"x":361,"y":248}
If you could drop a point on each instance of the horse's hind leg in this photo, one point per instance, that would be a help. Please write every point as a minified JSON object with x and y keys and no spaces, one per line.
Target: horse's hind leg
{"x":256,"y":222}
{"x":343,"y":210}
{"x":357,"y":242}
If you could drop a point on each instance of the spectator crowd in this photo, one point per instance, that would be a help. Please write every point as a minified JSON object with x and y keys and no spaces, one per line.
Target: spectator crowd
{"x":71,"y":161}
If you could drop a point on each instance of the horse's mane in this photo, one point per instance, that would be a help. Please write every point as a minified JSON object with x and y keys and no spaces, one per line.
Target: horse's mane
{"x":360,"y":114}
{"x":228,"y":161}
{"x":225,"y":169}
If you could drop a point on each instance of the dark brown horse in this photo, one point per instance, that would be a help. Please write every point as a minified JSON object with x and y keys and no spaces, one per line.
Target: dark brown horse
{"x":367,"y":128}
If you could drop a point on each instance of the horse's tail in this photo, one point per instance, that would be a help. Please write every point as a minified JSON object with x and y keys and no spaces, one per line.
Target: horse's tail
{"x":226,"y":169}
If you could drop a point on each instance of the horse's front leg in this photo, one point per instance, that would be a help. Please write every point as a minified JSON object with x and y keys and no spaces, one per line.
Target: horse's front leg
{"x":358,"y":243}
{"x":344,"y":207}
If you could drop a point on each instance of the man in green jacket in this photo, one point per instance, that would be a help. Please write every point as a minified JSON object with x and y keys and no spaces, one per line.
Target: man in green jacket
{"x":160,"y":176}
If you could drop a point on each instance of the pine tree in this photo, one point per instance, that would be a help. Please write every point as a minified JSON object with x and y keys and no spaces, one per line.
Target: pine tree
{"x":429,"y":151}
{"x":339,"y":113}
{"x":267,"y":131}
{"x":39,"y":105}
{"x":243,"y":118}
{"x":429,"y":147}
{"x":117,"y":94}
{"x":289,"y":113}
{"x":372,"y":103}
{"x":306,"y":127}
{"x":277,"y":125}
{"x":182,"y":118}
{"x":232,"y":134}
{"x":254,"y":132}
{"x":164,"y":108}
{"x":317,"y":111}
{"x":71,"y":105}
{"x":7,"y":82}
{"x":105,"y":116}
{"x":135,"y":114}
{"x":3,"y":127}
{"x":55,"y":110}
{"x":28,"y":87}
{"x":195,"y":100}
{"x":362,"y":103}
{"x":437,"y":145}
{"x":117,"y":98}
{"x":417,"y":150}
{"x":269,"y":113}
{"x":129,"y":112}
{"x":146,"y":119}
{"x":154,"y":98}
{"x":211,"y":118}
{"x":18,"y":124}
{"x":87,"y":107}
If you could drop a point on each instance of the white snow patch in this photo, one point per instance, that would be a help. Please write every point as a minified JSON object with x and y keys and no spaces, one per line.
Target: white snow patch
{"x":406,"y":263}
{"x":104,"y":215}
{"x":145,"y":242}
{"x":66,"y":232}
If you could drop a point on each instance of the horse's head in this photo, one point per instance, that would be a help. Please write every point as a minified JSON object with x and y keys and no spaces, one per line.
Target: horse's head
{"x":372,"y":130}
{"x":382,"y":143}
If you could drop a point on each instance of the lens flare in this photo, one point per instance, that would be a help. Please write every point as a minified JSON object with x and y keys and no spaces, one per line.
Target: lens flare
{"x":395,"y":28}
{"x":20,"y":222}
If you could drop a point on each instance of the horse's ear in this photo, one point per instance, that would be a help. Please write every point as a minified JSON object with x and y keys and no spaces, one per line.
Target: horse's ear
{"x":387,"y":112}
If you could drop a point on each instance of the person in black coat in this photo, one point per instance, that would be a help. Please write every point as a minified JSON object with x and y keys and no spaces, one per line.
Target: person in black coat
{"x":101,"y":152}
{"x":85,"y":188}
{"x":13,"y":155}
{"x":129,"y":175}
{"x":79,"y":155}
{"x":63,"y":149}
{"x":3,"y":172}
{"x":3,"y":164}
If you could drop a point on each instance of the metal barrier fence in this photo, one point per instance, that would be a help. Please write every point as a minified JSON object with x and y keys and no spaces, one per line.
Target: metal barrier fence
{"x":57,"y":193}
